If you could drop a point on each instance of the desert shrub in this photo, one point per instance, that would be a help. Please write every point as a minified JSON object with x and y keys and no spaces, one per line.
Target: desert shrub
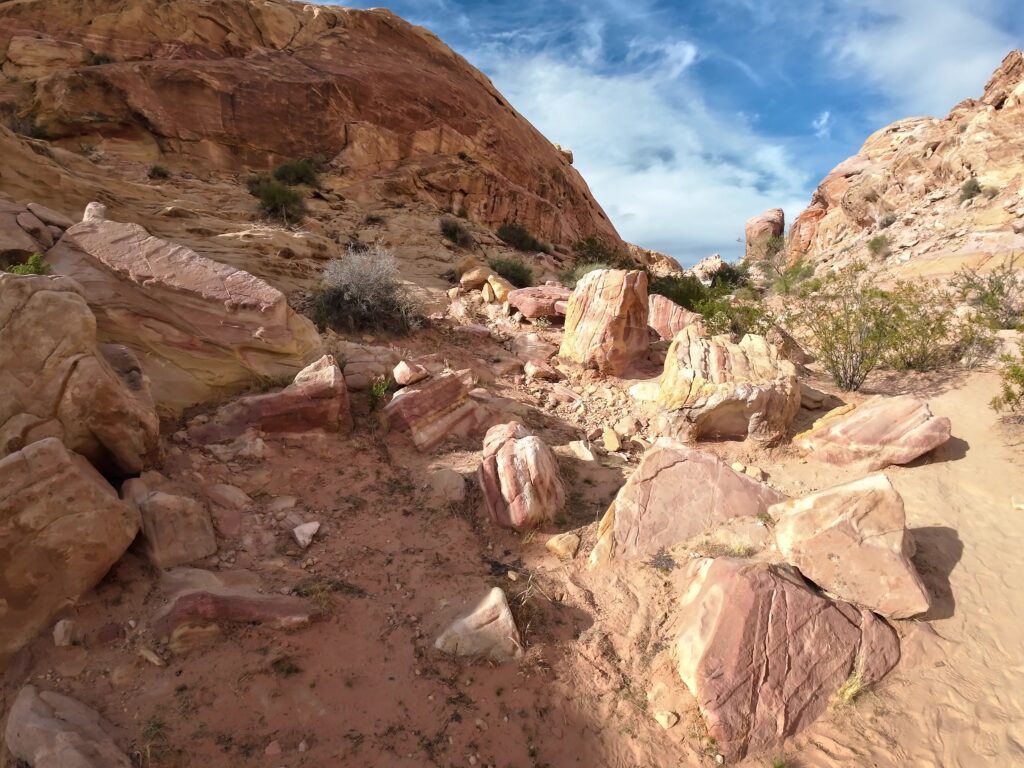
{"x":845,"y":325}
{"x":463,"y":212}
{"x":277,"y":200}
{"x":363,"y":292}
{"x":879,"y":245}
{"x":685,"y":290}
{"x":970,"y":189}
{"x":974,"y":343}
{"x":998,"y":296}
{"x":373,"y":219}
{"x":158,"y":172}
{"x":513,"y":270}
{"x":519,"y":237}
{"x":920,"y":328}
{"x":457,"y":232}
{"x":887,"y":221}
{"x":730,"y":276}
{"x":297,"y":172}
{"x":593,"y":250}
{"x":25,"y":125}
{"x":725,"y":315}
{"x":571,"y":277}
{"x":793,"y":277}
{"x":379,"y":391}
{"x":34,"y":265}
{"x":1011,"y":374}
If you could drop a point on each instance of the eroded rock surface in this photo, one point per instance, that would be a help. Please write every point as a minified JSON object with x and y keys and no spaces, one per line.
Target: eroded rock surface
{"x":675,"y":493}
{"x":877,"y":433}
{"x":435,"y":409}
{"x":519,"y":478}
{"x":851,"y":540}
{"x":764,"y":654}
{"x":606,"y":323}
{"x":667,"y":318}
{"x":717,"y":388}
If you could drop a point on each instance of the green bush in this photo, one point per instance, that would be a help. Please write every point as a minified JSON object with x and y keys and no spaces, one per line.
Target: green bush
{"x":516,"y":272}
{"x":158,"y":172}
{"x":571,"y":277}
{"x":970,"y":189}
{"x":793,"y":278}
{"x":34,"y":265}
{"x":879,"y":245}
{"x":685,"y":290}
{"x":593,"y":250}
{"x":519,"y":237}
{"x":1011,"y":394}
{"x":277,"y":200}
{"x":998,"y":296}
{"x":363,"y":292}
{"x":457,"y":232}
{"x":846,"y":324}
{"x":920,"y":320}
{"x":723,"y":315}
{"x":297,"y":172}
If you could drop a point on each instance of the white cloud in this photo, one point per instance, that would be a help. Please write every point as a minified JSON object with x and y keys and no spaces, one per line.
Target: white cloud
{"x":821,"y":125}
{"x":672,"y":174}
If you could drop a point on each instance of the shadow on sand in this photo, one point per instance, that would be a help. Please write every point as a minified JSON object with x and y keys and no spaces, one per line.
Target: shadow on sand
{"x":939,"y":549}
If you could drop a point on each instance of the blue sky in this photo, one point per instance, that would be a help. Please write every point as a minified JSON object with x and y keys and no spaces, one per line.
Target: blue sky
{"x":686,"y":118}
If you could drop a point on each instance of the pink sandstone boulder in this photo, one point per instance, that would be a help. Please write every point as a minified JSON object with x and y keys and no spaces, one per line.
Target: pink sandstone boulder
{"x":519,"y":478}
{"x":540,"y":301}
{"x":717,"y":388}
{"x":56,"y":381}
{"x":61,"y":529}
{"x":764,"y":654}
{"x":316,"y":399}
{"x":435,"y":409}
{"x":667,"y":318}
{"x":851,"y":540}
{"x":606,"y":323}
{"x":198,"y":597}
{"x":201,"y":329}
{"x":46,"y":729}
{"x":877,"y":433}
{"x":762,"y":228}
{"x":675,"y":493}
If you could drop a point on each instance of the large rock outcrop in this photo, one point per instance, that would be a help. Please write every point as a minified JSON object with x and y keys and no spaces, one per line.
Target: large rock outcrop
{"x":675,"y":493}
{"x":201,"y":329}
{"x":519,"y":478}
{"x":851,"y":540}
{"x":764,"y":654}
{"x":761,"y":229}
{"x":876,"y":433}
{"x":905,"y":183}
{"x":717,"y":388}
{"x":46,"y":729}
{"x":61,"y":529}
{"x":227,"y":85}
{"x":606,"y":322}
{"x":56,"y":381}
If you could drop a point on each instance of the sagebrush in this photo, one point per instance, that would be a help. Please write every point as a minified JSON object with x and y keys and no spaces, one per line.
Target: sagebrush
{"x":277,"y":200}
{"x":513,"y":270}
{"x":363,"y":292}
{"x":298,"y":172}
{"x":519,"y":237}
{"x":457,"y":232}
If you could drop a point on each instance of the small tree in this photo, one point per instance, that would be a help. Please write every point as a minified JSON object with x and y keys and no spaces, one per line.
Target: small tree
{"x":1011,"y":395}
{"x":920,"y":336}
{"x":846,"y":324}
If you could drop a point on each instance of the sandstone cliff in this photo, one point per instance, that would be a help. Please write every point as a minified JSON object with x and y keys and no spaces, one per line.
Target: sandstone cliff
{"x":212,"y":88}
{"x":903,"y":189}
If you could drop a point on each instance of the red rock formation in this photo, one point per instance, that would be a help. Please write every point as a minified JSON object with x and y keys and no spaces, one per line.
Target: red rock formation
{"x":606,"y":322}
{"x":762,"y":228}
{"x":231,"y":85}
{"x":667,"y":318}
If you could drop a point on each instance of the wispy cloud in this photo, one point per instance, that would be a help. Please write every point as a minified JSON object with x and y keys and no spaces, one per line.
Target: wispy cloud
{"x":821,"y":125}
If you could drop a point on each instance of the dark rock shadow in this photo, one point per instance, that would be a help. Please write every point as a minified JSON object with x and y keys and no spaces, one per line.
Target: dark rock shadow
{"x":939,"y":549}
{"x":953,"y":449}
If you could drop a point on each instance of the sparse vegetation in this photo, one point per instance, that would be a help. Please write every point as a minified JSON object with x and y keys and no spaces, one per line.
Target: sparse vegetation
{"x":663,"y":562}
{"x":379,"y":391}
{"x":997,"y":296}
{"x":34,"y":265}
{"x":519,"y":237}
{"x":795,"y":278}
{"x":970,"y":189}
{"x":158,"y":172}
{"x":920,"y":327}
{"x":685,"y":290}
{"x":457,"y":232}
{"x":571,"y":277}
{"x":277,"y":200}
{"x":723,"y":312}
{"x":373,"y":220}
{"x":879,"y":245}
{"x":854,"y":686}
{"x":363,"y":292}
{"x":513,"y":270}
{"x":1011,"y":374}
{"x":298,"y":172}
{"x":593,"y":250}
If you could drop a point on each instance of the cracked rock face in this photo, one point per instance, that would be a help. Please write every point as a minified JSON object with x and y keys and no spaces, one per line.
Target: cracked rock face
{"x":763,"y":654}
{"x":851,"y":540}
{"x":675,"y":493}
{"x":519,"y":477}
{"x":717,"y":388}
{"x":876,"y":434}
{"x":56,"y":381}
{"x":200,"y":328}
{"x":606,"y":322}
{"x":487,"y":631}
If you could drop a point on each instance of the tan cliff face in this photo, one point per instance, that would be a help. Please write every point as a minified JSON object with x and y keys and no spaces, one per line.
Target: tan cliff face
{"x":904,"y":188}
{"x":231,"y":87}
